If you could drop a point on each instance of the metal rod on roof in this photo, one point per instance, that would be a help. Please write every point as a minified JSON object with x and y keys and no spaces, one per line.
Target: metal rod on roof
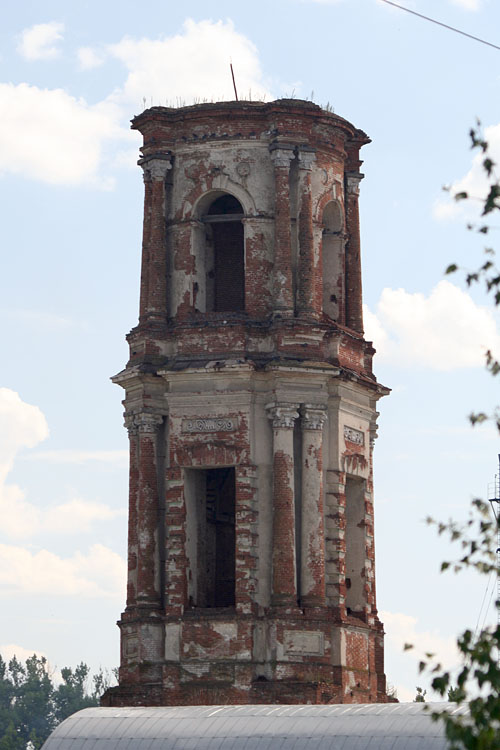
{"x":234,"y":82}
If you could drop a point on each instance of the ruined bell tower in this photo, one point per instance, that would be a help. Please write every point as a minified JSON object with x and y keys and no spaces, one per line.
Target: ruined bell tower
{"x":250,"y":404}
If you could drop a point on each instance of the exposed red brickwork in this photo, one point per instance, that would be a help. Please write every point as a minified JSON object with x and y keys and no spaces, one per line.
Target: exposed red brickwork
{"x":306,"y":251}
{"x":284,"y":581}
{"x":251,"y":429}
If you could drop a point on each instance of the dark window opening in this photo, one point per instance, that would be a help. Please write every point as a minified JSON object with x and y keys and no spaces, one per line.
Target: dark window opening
{"x":225,"y":256}
{"x":226,"y":204}
{"x":220,"y":496}
{"x":355,"y":543}
{"x":229,"y":272}
{"x":210,"y":538}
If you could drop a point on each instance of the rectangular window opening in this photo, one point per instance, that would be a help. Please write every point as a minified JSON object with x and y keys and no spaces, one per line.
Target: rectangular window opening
{"x":355,"y":552}
{"x":210,"y":544}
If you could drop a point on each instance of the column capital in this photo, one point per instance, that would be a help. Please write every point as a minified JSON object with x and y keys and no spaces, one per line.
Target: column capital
{"x":282,"y":154}
{"x":148,"y":422}
{"x":130,"y":423}
{"x":353,"y":179}
{"x":156,"y":167}
{"x":307,"y":157}
{"x":283,"y":415}
{"x":313,"y":416}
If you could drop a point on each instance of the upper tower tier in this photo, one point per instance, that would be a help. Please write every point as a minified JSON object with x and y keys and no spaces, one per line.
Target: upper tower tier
{"x":251,"y":222}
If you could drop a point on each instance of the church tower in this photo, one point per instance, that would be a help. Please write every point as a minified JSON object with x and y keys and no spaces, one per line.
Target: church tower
{"x":250,"y":404}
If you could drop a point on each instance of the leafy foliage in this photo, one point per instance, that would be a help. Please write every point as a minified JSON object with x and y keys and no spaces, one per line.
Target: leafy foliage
{"x":31,"y":706}
{"x":478,"y":681}
{"x":488,"y":272}
{"x":420,"y":696}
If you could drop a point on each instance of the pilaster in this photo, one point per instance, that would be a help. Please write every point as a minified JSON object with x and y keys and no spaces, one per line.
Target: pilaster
{"x":132,"y":429}
{"x":354,"y":298}
{"x":153,"y":305}
{"x":282,"y":155}
{"x":148,"y":558}
{"x":284,"y":578}
{"x":307,"y":265}
{"x":312,"y":573}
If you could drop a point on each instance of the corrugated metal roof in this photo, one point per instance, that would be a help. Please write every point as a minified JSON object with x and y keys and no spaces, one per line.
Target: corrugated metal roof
{"x":393,"y":726}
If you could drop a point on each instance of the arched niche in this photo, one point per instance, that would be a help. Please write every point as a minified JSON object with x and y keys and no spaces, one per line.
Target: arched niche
{"x":219,"y":248}
{"x":333,"y":261}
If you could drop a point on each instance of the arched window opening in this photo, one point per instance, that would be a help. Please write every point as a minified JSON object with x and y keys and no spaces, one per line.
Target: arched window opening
{"x":225,"y":255}
{"x":333,"y":261}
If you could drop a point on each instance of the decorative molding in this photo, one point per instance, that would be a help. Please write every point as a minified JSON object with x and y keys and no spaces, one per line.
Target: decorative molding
{"x":283,"y":415}
{"x":130,"y":424}
{"x":304,"y":642}
{"x":156,"y":167}
{"x":243,"y":169}
{"x":281,"y":154}
{"x":210,"y":424}
{"x":313,"y":417}
{"x":354,"y":436}
{"x":147,"y":422}
{"x":307,"y":157}
{"x":353,"y":179}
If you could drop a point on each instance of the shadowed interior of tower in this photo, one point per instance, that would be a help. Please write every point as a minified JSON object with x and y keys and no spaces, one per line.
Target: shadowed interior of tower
{"x":355,"y":545}
{"x":211,"y":536}
{"x":225,"y":261}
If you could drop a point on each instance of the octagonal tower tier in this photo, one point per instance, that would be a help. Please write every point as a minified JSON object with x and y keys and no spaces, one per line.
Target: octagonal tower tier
{"x":251,"y":410}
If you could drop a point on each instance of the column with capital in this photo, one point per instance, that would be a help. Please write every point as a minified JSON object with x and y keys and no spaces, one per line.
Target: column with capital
{"x":312,"y":566}
{"x":307,"y":261}
{"x":153,"y":304}
{"x":282,"y":155}
{"x":132,"y":429}
{"x":284,"y":575}
{"x":353,"y":287}
{"x":147,"y":519}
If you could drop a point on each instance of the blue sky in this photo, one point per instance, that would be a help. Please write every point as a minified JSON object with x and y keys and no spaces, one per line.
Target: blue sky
{"x":71,"y":77}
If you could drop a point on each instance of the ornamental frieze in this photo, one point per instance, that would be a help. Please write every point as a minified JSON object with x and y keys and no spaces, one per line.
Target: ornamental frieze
{"x":210,"y":424}
{"x":354,"y":436}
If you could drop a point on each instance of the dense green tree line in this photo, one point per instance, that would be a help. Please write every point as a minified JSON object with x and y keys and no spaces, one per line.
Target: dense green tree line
{"x":31,"y":705}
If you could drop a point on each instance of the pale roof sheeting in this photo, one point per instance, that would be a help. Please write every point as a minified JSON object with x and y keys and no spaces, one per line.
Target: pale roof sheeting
{"x":393,"y":726}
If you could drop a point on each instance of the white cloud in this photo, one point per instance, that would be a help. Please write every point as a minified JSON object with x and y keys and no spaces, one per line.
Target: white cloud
{"x":24,"y":426}
{"x":77,"y":516}
{"x":48,"y":135}
{"x":22,"y":520}
{"x":467,"y":4}
{"x":401,"y":629}
{"x":100,"y":573}
{"x":475,"y":183}
{"x":68,"y":456}
{"x":39,"y":319}
{"x":39,"y":42}
{"x":89,"y":58}
{"x":443,"y":331}
{"x":9,"y":650}
{"x":190,"y":66}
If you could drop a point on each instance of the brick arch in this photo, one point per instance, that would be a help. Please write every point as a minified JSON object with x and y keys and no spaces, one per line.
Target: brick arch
{"x":323,"y":201}
{"x":222,"y":185}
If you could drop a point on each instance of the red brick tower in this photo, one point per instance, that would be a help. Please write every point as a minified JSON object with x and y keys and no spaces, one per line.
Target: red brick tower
{"x":251,"y":410}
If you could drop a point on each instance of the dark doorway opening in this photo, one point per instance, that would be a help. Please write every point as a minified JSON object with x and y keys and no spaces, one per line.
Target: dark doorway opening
{"x":220,"y":497}
{"x":211,"y":538}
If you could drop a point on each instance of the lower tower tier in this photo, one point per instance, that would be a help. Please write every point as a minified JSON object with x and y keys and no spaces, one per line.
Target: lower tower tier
{"x":220,"y":658}
{"x":251,"y":552}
